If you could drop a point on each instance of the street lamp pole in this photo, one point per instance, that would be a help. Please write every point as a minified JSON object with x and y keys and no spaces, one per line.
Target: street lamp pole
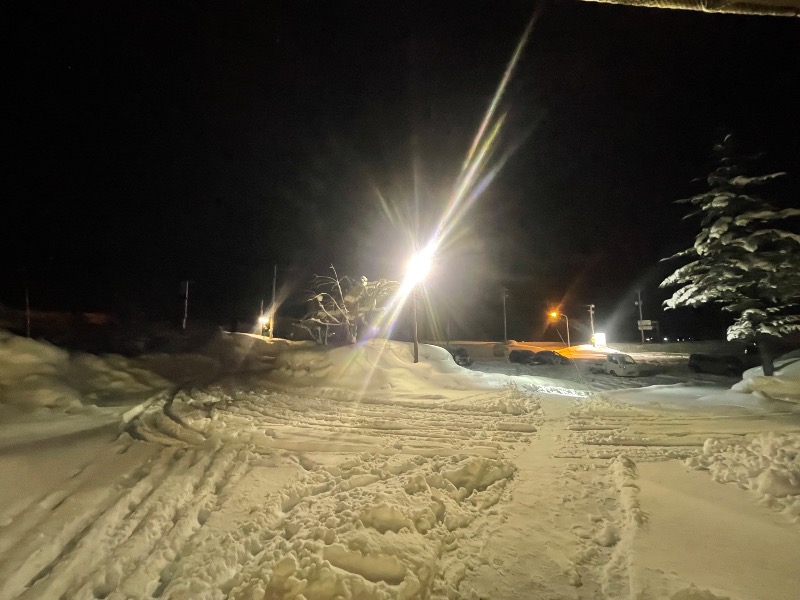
{"x":591,"y":317}
{"x":416,"y":338}
{"x":417,"y":269}
{"x":554,"y":315}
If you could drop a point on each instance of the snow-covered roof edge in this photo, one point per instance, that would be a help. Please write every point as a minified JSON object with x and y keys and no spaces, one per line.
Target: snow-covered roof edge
{"x":778,"y":8}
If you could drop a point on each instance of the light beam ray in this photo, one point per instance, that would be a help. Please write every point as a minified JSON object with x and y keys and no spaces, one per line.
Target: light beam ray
{"x":471,"y":182}
{"x":501,"y":88}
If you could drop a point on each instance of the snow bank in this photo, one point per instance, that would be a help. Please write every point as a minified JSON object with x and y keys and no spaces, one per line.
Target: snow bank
{"x":237,"y":352}
{"x":32,"y":374}
{"x":35,"y":374}
{"x":783,"y":385}
{"x":767,"y":464}
{"x":379,"y":365}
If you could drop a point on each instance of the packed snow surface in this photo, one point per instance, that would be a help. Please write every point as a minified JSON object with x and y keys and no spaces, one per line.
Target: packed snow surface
{"x":268,"y":470}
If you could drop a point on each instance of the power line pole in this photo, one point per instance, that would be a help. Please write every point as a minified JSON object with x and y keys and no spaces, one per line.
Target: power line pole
{"x":272,"y":310}
{"x":185,"y":304}
{"x":505,"y":321}
{"x":591,"y":317}
{"x":639,"y":304}
{"x":27,"y":308}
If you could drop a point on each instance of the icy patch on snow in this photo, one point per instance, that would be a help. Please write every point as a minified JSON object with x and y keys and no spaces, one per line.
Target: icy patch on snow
{"x":767,"y":464}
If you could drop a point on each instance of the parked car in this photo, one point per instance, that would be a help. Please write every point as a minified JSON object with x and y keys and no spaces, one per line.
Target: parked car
{"x":521,"y":356}
{"x":549,"y":357}
{"x":732,"y":366}
{"x":544,"y":357}
{"x":617,"y":364}
{"x":460,"y":355}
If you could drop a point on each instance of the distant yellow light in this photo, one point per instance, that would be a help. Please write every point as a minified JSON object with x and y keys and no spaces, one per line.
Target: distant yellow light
{"x":554,"y":314}
{"x":263,"y":319}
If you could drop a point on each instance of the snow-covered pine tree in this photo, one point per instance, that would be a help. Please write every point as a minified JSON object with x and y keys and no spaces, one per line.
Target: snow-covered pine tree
{"x":746,"y":257}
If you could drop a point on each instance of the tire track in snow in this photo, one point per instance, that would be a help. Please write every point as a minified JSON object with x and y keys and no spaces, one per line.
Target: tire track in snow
{"x":338,"y":528}
{"x":163,"y":524}
{"x":506,"y":418}
{"x":39,"y":543}
{"x":134,"y":533}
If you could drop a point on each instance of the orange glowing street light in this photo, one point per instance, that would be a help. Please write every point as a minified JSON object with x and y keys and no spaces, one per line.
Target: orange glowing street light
{"x":554,"y":314}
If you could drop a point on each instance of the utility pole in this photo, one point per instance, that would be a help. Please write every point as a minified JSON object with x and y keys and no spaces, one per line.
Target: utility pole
{"x":27,"y":308}
{"x":639,"y":304}
{"x":505,"y":321}
{"x":591,"y":317}
{"x":185,"y":304}
{"x":272,"y":310}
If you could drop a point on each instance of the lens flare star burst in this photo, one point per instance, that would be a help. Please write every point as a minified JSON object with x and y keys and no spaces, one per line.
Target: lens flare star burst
{"x":475,"y":177}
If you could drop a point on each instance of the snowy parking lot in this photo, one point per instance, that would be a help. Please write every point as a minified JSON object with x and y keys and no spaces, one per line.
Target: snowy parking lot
{"x":256,"y":470}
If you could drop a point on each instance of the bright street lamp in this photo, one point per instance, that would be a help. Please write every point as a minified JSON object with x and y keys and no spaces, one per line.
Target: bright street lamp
{"x":418,"y":267}
{"x":554,"y":315}
{"x":264,"y":321}
{"x":416,"y":271}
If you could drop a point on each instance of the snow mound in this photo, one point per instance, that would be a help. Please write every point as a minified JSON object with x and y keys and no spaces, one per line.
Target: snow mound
{"x":693,"y":593}
{"x":768,"y":464}
{"x":374,"y":365}
{"x":380,"y":361}
{"x":36,"y":374}
{"x":783,"y":385}
{"x":33,"y":374}
{"x":386,"y":365}
{"x":237,"y":352}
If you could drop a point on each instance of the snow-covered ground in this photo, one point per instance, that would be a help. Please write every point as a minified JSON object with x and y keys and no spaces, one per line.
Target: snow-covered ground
{"x":255,"y":470}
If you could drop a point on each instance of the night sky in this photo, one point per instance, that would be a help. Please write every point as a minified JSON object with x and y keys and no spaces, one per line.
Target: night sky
{"x":154,"y":142}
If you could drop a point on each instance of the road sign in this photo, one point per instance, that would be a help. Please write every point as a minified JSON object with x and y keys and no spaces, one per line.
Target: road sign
{"x":645,"y":323}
